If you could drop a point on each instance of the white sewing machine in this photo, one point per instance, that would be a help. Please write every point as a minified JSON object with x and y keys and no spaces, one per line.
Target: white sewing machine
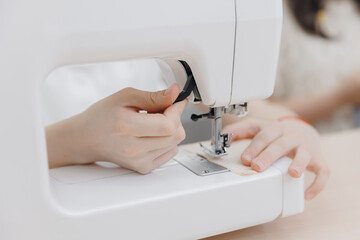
{"x":231,"y":48}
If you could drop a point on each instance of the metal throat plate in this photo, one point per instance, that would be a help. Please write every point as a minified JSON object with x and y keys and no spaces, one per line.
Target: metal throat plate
{"x":198,"y":165}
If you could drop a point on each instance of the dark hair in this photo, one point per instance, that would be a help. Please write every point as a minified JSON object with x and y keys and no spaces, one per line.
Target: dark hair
{"x":306,"y":12}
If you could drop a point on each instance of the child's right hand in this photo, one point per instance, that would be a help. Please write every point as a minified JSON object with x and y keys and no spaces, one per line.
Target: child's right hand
{"x":114,"y":130}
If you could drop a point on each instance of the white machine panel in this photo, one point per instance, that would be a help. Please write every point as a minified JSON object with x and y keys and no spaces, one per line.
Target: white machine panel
{"x":170,"y":203}
{"x":258,"y":33}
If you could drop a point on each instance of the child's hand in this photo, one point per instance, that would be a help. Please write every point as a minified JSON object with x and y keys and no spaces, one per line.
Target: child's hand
{"x":275,"y":139}
{"x":114,"y":130}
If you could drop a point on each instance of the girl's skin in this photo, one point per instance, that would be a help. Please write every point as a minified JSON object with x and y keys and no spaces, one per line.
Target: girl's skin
{"x":273,"y":139}
{"x":114,"y":130}
{"x":321,"y":105}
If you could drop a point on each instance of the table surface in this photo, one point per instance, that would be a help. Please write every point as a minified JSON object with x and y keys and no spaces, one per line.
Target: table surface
{"x":335,"y":213}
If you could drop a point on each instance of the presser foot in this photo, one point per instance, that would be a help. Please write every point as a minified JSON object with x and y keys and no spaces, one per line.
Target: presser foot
{"x":211,"y":152}
{"x":220,"y":142}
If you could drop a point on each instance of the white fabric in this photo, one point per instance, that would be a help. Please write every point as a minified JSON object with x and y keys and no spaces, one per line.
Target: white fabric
{"x":70,"y":90}
{"x":309,"y":64}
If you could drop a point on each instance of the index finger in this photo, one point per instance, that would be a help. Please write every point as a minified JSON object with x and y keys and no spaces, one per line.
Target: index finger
{"x":157,"y":124}
{"x":175,"y":111}
{"x":261,"y":141}
{"x":244,"y":129}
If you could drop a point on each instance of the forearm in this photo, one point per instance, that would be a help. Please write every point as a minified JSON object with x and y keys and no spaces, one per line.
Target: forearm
{"x":64,"y":143}
{"x":317,"y":106}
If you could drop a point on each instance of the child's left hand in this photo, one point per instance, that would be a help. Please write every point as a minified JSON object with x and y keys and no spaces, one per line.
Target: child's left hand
{"x":275,"y":139}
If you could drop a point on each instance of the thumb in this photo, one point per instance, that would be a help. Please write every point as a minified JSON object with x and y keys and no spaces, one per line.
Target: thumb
{"x":243,"y":129}
{"x":152,"y":102}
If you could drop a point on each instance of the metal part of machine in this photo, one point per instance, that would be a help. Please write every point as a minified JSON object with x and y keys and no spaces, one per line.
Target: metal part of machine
{"x":220,"y":141}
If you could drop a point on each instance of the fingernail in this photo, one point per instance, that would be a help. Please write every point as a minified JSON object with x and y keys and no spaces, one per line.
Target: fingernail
{"x":168,"y":90}
{"x":257,"y":165}
{"x":309,"y":196}
{"x":295,"y":171}
{"x":247,"y":157}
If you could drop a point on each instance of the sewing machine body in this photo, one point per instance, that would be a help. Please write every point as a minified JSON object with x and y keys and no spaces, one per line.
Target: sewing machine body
{"x":172,"y":202}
